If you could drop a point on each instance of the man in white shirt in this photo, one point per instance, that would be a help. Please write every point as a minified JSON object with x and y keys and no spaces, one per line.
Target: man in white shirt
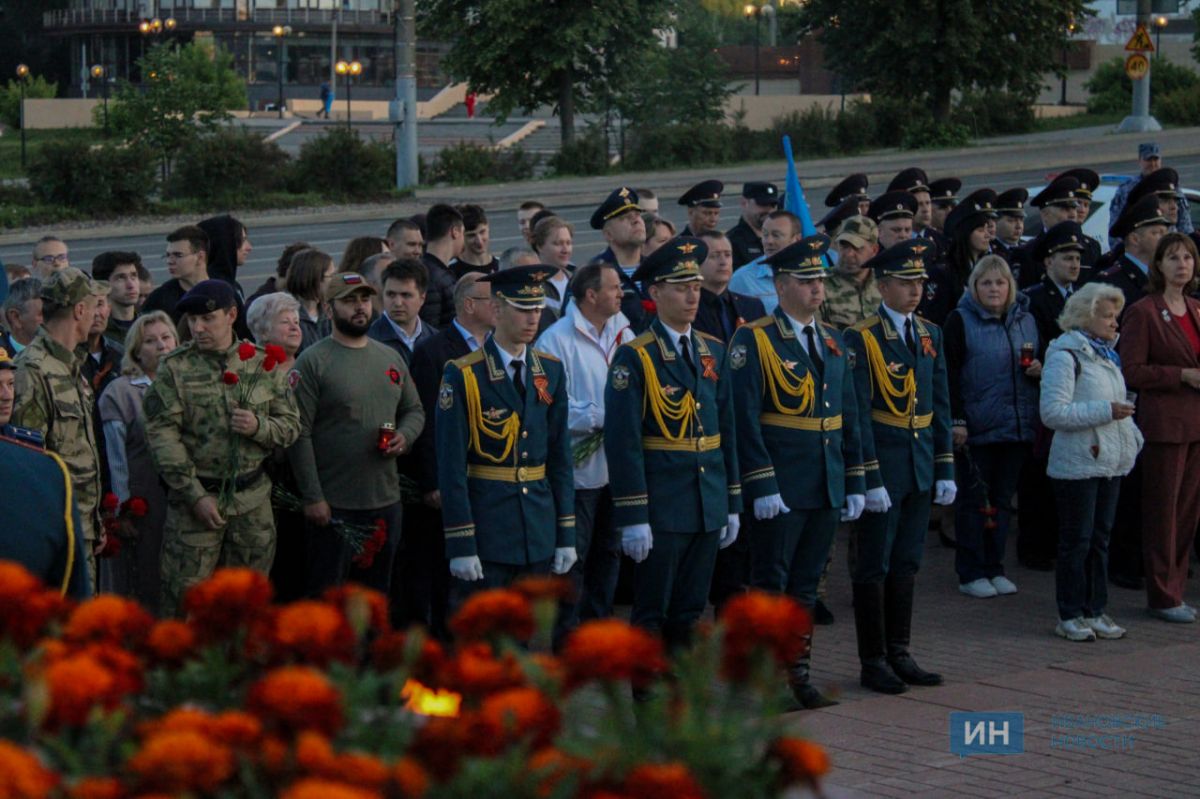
{"x":755,"y":279}
{"x":584,"y":339}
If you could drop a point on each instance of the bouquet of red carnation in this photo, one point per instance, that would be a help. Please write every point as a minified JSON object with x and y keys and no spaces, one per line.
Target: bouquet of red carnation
{"x":365,"y":541}
{"x":275,"y":355}
{"x":372,"y":546}
{"x":116,"y":519}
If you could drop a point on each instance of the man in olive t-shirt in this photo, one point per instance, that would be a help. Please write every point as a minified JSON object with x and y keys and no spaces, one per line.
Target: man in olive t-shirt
{"x":348,"y":388}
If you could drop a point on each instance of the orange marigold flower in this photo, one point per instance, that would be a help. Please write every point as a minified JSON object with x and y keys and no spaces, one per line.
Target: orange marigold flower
{"x":545,"y":668}
{"x":611,"y":650}
{"x":297,"y":698}
{"x":498,"y":612}
{"x":227,"y":601}
{"x":521,"y":714}
{"x":439,"y":745}
{"x":124,"y":666}
{"x":366,"y":609}
{"x":314,"y":632}
{"x":801,"y":761}
{"x":273,"y":754}
{"x":327,"y":789}
{"x":191,"y":719}
{"x":476,"y":671}
{"x":550,"y":767}
{"x":75,"y":684}
{"x":96,"y":788}
{"x":395,"y":649}
{"x":757,"y":621}
{"x":314,"y":753}
{"x":24,"y":616}
{"x":170,"y":642}
{"x":237,"y":729}
{"x":176,"y":761}
{"x":536,"y":588}
{"x":657,"y":780}
{"x":363,"y":770}
{"x":411,"y":780}
{"x":22,"y":775}
{"x":108,"y":618}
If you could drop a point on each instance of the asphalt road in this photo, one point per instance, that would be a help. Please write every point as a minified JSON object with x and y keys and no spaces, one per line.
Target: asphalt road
{"x":269,"y":241}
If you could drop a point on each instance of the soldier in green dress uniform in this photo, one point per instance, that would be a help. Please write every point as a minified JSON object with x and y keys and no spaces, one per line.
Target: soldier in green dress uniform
{"x":670,"y":440}
{"x":904,"y":405}
{"x":794,"y":399}
{"x":504,"y":463}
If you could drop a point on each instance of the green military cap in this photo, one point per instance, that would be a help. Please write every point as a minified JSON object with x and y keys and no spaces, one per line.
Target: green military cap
{"x":805,"y":259}
{"x":346,"y":283}
{"x":858,"y":231}
{"x":69,"y":286}
{"x":677,"y":261}
{"x":523,"y":287}
{"x":905,"y":260}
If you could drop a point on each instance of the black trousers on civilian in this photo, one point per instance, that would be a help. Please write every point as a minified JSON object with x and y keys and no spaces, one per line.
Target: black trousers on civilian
{"x":594,"y":575}
{"x":987,"y":476}
{"x":1125,"y":546}
{"x":330,"y":559}
{"x":1037,"y":513}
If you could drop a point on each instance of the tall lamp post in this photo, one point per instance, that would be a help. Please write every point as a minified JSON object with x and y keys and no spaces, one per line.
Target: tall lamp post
{"x":22,"y":77}
{"x":752,"y":10}
{"x":97,"y":72}
{"x":280,"y":32}
{"x":1160,"y":22}
{"x":349,"y":69}
{"x":1062,"y":100}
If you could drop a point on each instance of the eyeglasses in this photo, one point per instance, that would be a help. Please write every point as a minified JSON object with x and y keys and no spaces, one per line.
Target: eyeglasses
{"x":61,"y":258}
{"x":175,"y":256}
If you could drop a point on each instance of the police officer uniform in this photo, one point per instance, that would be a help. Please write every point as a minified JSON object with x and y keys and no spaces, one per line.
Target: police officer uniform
{"x":504,"y":462}
{"x":1126,"y":274}
{"x":903,"y":399}
{"x":943,"y":193}
{"x":853,"y":187}
{"x":746,"y":241}
{"x":795,"y":404}
{"x":633,"y":300}
{"x":670,"y":441}
{"x":833,"y":220}
{"x":705,"y":194}
{"x":1062,"y":191}
{"x":1089,"y":180}
{"x":1010,"y":203}
{"x":1046,"y":298}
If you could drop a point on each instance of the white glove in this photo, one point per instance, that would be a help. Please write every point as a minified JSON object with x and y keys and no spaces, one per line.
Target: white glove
{"x":854,"y":507}
{"x":729,"y":532}
{"x":877,"y":500}
{"x":564,"y":559}
{"x":944,"y":492}
{"x":769,"y":507}
{"x":468,"y":568}
{"x":636,"y":541}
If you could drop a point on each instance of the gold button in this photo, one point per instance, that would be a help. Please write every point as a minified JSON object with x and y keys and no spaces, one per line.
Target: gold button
{"x":522,"y":473}
{"x":700,"y":443}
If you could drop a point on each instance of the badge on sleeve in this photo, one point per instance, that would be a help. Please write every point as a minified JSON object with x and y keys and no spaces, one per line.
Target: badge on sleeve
{"x":446,"y":397}
{"x":737,"y":356}
{"x":620,"y":378}
{"x":851,"y":358}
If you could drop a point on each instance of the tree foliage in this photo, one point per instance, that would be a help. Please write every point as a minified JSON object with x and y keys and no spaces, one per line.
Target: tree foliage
{"x":570,"y":54}
{"x":10,"y":97}
{"x":928,"y":49}
{"x":1110,"y":90}
{"x":185,"y":92}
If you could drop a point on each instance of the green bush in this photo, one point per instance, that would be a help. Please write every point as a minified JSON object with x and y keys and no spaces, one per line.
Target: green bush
{"x":1111,"y":91}
{"x":994,"y":113}
{"x":926,"y":132}
{"x":228,"y":167}
{"x":466,"y":162}
{"x":340,"y":164}
{"x":857,"y":128}
{"x":1180,"y":107}
{"x":588,"y":155}
{"x":36,"y":87}
{"x":891,"y":118}
{"x":814,"y":131}
{"x":106,"y":180}
{"x":668,"y":146}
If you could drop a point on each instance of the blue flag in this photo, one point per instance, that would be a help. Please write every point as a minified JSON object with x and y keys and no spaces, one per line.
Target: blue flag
{"x":794,"y":200}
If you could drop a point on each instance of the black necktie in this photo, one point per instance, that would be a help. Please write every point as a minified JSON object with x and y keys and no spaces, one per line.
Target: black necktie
{"x":518,"y":382}
{"x":686,"y":353}
{"x":814,"y":354}
{"x":908,"y":336}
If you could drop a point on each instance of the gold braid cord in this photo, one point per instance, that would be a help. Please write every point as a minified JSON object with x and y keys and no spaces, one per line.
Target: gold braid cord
{"x":663,"y":407}
{"x":881,"y":377}
{"x":505,"y":431}
{"x":777,"y":378}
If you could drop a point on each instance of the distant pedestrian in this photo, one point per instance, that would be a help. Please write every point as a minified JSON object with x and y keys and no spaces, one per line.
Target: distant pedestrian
{"x":470,"y":103}
{"x":326,"y":99}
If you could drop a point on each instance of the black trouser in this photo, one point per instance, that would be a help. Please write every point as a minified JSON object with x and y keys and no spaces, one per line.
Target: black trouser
{"x":671,"y":585}
{"x":987,"y":475}
{"x":594,"y":575}
{"x":1125,"y":547}
{"x":421,"y":588}
{"x":330,"y":558}
{"x":731,"y":572}
{"x":1085,"y":510}
{"x":788,"y":553}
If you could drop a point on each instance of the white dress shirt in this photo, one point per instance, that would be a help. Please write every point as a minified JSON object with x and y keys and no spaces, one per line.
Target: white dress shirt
{"x":467,"y":335}
{"x":409,"y":341}
{"x":898,"y":320}
{"x":798,"y":328}
{"x":506,"y":361}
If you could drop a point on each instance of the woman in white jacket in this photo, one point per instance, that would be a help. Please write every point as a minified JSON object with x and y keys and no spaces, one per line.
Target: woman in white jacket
{"x":1095,"y":443}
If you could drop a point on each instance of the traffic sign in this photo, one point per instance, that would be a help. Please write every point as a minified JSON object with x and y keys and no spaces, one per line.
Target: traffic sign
{"x":1140,"y":40}
{"x":1136,"y":66}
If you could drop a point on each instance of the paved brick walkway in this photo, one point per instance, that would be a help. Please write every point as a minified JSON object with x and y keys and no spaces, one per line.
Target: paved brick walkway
{"x":1001,"y":654}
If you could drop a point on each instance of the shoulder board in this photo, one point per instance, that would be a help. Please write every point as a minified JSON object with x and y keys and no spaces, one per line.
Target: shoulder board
{"x":762,"y":321}
{"x":17,"y":442}
{"x":469,"y":359}
{"x":707,"y":337}
{"x":926,"y":321}
{"x":870,"y":321}
{"x":548,"y":356}
{"x":642,"y":340}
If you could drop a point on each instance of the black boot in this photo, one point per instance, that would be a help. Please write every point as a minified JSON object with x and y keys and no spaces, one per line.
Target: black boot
{"x":868,"y":627}
{"x":898,"y":605}
{"x":807,"y":697}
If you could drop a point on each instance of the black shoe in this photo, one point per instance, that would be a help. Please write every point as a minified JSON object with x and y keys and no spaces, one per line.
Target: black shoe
{"x":1037,"y":564}
{"x":907,"y":669}
{"x":821,"y":614}
{"x":809,"y":698}
{"x":879,"y":678}
{"x":1129,"y":581}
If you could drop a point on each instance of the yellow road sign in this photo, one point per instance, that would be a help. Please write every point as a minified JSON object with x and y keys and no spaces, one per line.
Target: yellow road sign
{"x":1140,"y":40}
{"x":1136,"y":66}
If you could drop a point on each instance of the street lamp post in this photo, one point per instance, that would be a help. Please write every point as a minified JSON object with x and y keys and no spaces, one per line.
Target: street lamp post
{"x":1160,"y":22}
{"x":1062,"y":100}
{"x":97,"y":72}
{"x":349,"y":69}
{"x":751,"y":10}
{"x":22,"y":77}
{"x":280,"y":32}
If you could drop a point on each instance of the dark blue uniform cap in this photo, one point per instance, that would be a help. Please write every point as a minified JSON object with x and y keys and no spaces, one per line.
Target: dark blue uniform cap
{"x":975,"y":209}
{"x":1063,"y":190}
{"x":847,"y":209}
{"x":1012,"y":202}
{"x":905,"y":260}
{"x":1088,"y":179}
{"x":911,"y":179}
{"x":620,"y":201}
{"x":944,"y":191}
{"x":761,"y":192}
{"x":205,"y":297}
{"x":804,"y":259}
{"x":1161,"y":182}
{"x":1143,"y":212}
{"x":1066,"y":235}
{"x":677,"y":261}
{"x":852,"y":186}
{"x":706,"y":193}
{"x":892,"y":205}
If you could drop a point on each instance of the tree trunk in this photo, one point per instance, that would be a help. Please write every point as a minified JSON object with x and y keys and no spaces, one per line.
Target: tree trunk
{"x":940,"y":101}
{"x":566,"y":106}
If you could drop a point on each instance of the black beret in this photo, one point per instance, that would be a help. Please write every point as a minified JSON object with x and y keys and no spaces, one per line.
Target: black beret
{"x":207,"y":296}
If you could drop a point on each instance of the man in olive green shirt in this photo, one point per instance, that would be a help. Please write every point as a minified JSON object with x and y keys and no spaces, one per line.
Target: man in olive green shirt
{"x":850,"y":292}
{"x":348,"y":388}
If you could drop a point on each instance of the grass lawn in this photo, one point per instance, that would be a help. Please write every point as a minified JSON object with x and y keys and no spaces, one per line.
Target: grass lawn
{"x":1084,"y":120}
{"x":10,"y":145}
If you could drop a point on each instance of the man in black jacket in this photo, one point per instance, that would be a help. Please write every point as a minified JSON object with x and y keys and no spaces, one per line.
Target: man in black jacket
{"x":445,"y":239}
{"x":722,"y":311}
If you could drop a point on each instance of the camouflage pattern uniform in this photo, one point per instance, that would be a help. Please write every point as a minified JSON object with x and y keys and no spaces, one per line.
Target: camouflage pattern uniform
{"x":188,"y":409}
{"x":54,"y":399}
{"x":847,"y":302}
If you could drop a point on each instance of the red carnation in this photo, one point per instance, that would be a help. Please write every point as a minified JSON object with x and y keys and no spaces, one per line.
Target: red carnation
{"x":276,"y":353}
{"x":110,"y":502}
{"x":649,"y":307}
{"x":136,"y":507}
{"x":229,"y":378}
{"x":268,"y":363}
{"x":246,"y":350}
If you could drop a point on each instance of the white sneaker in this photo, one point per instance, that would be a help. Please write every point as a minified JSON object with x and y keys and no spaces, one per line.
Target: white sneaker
{"x":1003,"y":585}
{"x":1104,"y":627}
{"x":1075,"y":630}
{"x":980,"y":589}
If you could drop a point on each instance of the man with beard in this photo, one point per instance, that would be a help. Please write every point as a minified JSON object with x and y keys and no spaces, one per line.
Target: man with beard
{"x":359,"y":411}
{"x":759,"y":198}
{"x":504,"y":448}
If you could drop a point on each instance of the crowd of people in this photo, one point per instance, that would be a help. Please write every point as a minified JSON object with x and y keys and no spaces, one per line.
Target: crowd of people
{"x":429,"y":418}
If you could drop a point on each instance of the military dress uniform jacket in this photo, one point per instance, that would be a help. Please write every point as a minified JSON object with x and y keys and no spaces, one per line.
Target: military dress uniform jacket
{"x":791,"y":417}
{"x":504,"y":466}
{"x":906,"y":445}
{"x":670,"y":435}
{"x":1046,"y":303}
{"x":187,"y":410}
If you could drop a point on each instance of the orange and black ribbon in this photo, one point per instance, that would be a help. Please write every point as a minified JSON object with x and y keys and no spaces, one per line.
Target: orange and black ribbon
{"x":542,"y":384}
{"x":710,"y":367}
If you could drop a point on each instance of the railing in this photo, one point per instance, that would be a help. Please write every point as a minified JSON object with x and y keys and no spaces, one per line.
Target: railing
{"x":75,"y":17}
